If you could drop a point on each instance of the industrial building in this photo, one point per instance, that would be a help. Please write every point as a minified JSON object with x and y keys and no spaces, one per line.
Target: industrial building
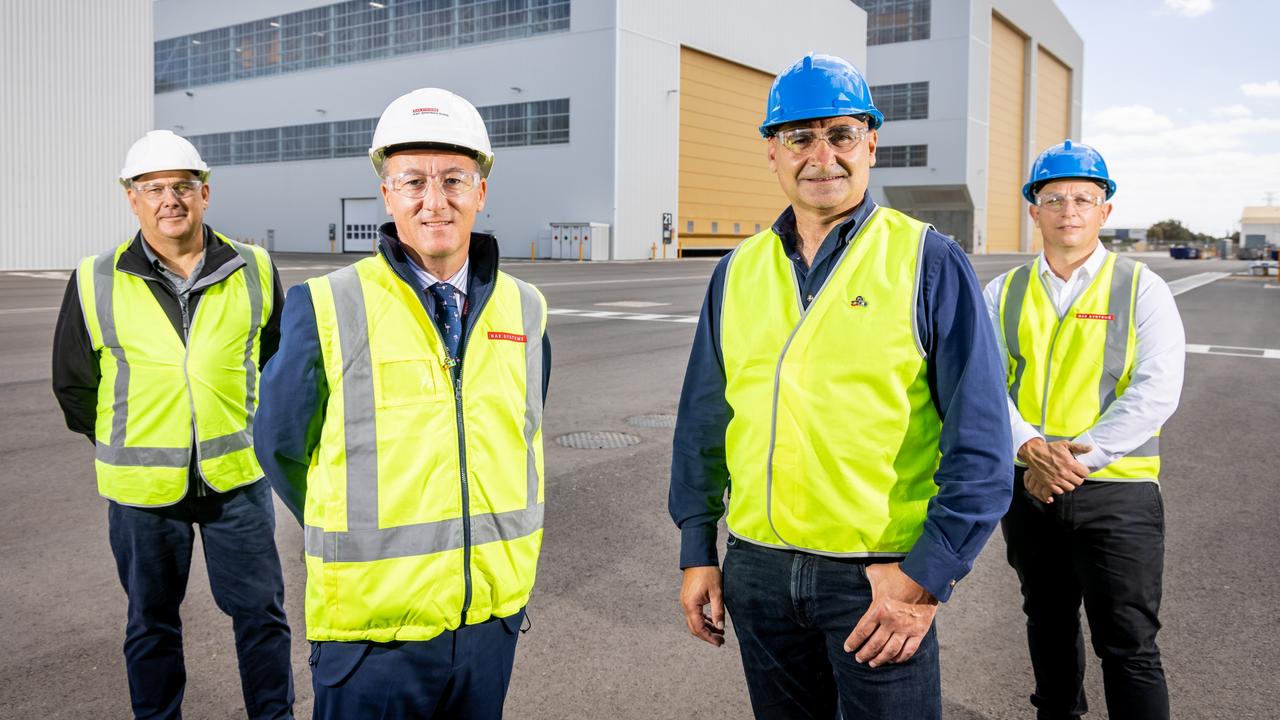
{"x":1260,"y":227}
{"x":68,"y":119}
{"x":632,"y":116}
{"x":972,"y":91}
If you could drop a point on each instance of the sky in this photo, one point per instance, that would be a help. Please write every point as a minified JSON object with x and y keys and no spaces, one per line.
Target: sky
{"x":1182,"y":98}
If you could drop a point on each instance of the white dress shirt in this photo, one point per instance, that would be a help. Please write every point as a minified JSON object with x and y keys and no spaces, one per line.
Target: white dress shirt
{"x":458,"y":281}
{"x":1155,"y":383}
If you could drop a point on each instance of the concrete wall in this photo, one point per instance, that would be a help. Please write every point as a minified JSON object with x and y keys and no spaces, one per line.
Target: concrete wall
{"x":529,"y":188}
{"x":68,"y":119}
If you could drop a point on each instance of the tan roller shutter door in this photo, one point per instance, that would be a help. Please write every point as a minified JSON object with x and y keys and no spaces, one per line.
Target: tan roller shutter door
{"x":1005,"y":165}
{"x":726,"y":188}
{"x":1053,"y":111}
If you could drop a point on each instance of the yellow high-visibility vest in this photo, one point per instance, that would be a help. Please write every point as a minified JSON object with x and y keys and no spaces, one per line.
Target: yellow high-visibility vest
{"x":834,"y":438}
{"x":424,"y":497}
{"x":155,"y":389}
{"x":1064,"y":372}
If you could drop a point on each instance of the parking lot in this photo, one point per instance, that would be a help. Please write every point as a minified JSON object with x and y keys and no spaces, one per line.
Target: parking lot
{"x":607,"y":638}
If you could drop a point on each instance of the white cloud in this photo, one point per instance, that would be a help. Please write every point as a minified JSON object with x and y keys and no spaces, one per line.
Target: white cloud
{"x":1266,"y":89}
{"x":1189,"y":8}
{"x":1201,"y":170}
{"x":1231,"y":111}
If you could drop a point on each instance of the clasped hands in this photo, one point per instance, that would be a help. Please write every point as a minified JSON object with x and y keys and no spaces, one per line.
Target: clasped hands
{"x":1052,"y":467}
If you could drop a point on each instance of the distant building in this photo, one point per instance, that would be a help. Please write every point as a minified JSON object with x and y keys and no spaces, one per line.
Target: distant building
{"x":972,"y":91}
{"x":1260,"y":227}
{"x":1125,"y":235}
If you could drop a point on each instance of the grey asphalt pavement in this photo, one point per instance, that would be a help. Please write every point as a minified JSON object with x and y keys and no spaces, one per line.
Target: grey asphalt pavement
{"x":607,"y":638}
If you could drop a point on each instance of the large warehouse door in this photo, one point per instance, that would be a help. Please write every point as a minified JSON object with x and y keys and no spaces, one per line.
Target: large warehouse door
{"x":1005,"y":165}
{"x":1053,"y":111}
{"x":727,"y":192}
{"x":360,"y":220}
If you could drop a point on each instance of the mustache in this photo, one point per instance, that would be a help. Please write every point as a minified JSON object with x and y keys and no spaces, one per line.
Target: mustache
{"x":824,"y":174}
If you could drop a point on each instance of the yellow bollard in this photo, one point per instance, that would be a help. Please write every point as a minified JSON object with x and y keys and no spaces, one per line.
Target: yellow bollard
{"x":579,"y":251}
{"x":533,"y":250}
{"x":653,"y":251}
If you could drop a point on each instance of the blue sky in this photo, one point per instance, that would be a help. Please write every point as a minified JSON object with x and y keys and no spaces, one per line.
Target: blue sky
{"x":1182,"y":98}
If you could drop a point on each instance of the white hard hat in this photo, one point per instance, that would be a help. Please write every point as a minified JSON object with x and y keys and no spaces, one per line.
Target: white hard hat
{"x":162,"y":150}
{"x":431,"y":116}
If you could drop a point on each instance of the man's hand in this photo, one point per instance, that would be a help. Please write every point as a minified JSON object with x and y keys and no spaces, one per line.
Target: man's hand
{"x":899,"y":617}
{"x":1052,"y":467}
{"x":701,"y":586}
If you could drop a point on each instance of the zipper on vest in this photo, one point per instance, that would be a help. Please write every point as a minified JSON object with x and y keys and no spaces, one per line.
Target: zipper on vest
{"x":1053,"y":341}
{"x":462,"y":459}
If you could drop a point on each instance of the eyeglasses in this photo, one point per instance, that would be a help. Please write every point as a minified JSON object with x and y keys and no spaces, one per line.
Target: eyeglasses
{"x":155,"y":191}
{"x":415,"y":186}
{"x":841,"y":138}
{"x":1057,"y":202}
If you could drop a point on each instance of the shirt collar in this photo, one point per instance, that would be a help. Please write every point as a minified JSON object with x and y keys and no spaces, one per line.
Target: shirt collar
{"x":458,"y":280}
{"x":785,"y":226}
{"x":155,"y":261}
{"x":1089,"y":269}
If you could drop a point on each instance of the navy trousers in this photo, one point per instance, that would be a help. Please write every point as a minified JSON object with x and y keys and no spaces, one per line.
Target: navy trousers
{"x":792,"y":612}
{"x":152,"y":548}
{"x":461,"y":674}
{"x":1102,"y":544}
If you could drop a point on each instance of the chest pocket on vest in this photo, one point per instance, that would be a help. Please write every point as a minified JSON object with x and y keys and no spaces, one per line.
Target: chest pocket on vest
{"x":410,"y":382}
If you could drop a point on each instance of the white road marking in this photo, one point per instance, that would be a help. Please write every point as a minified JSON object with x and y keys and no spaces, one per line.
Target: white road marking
{"x":611,"y":315}
{"x":1267,"y":353}
{"x":1192,"y":282}
{"x":41,"y":274}
{"x":703,"y":278}
{"x":16,"y":311}
{"x":632,"y":304}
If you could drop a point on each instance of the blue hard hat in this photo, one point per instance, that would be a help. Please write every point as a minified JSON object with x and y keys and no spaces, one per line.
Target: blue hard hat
{"x":819,"y":86}
{"x":1067,"y":160}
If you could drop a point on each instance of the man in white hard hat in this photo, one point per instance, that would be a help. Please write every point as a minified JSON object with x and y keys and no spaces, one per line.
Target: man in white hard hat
{"x":156,"y":359}
{"x":401,"y":422}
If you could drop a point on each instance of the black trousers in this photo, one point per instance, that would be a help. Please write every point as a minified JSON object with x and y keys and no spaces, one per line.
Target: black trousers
{"x":1103,"y":543}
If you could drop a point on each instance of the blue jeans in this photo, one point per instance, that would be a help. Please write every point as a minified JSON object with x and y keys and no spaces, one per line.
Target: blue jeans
{"x":462,"y":673}
{"x":792,"y":612}
{"x":152,"y":547}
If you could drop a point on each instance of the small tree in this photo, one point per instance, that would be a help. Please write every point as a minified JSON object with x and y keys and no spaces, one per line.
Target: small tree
{"x":1170,"y":231}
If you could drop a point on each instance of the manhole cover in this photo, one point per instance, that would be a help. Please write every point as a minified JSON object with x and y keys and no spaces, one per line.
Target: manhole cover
{"x":652,"y":421}
{"x":597,"y":440}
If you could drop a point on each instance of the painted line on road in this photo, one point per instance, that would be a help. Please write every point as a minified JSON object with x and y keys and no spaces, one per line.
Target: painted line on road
{"x":612,"y":315}
{"x":40,"y":274}
{"x":17,"y":311}
{"x":1191,"y":282}
{"x":703,"y":278}
{"x":1267,"y":353}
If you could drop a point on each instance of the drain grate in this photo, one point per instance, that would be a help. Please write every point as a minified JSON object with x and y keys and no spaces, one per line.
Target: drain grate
{"x":597,"y":440}
{"x":652,"y":421}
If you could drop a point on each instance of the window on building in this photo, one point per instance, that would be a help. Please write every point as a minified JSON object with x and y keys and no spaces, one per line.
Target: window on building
{"x":904,"y":101}
{"x":898,"y":156}
{"x":894,"y":21}
{"x":346,"y":32}
{"x":542,"y":122}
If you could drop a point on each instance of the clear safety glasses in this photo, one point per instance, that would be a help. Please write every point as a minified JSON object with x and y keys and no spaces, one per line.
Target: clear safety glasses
{"x":415,"y":186}
{"x":841,"y":138}
{"x":154,"y":192}
{"x":1057,"y":202}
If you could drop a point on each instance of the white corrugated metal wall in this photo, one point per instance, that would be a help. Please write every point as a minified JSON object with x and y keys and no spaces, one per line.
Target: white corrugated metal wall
{"x":76,"y":88}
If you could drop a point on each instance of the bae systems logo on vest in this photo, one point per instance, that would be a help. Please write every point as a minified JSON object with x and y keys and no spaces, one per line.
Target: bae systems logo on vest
{"x":429,"y":111}
{"x":1094,"y":316}
{"x":507,"y":336}
{"x":858,"y":302}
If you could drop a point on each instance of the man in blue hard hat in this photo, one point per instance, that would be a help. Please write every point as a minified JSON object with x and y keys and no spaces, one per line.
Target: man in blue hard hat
{"x":845,"y":377}
{"x":1094,"y":348}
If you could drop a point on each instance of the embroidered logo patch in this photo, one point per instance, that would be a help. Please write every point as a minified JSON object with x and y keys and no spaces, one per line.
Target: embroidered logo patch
{"x":507,"y":336}
{"x":1095,"y":316}
{"x":858,"y":302}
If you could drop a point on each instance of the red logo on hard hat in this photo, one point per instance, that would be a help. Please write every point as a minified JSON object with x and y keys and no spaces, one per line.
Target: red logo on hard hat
{"x":429,"y":111}
{"x":507,"y":336}
{"x":1094,"y":316}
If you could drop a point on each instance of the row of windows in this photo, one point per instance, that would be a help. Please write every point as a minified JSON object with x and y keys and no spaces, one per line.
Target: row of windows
{"x":895,"y":21}
{"x":544,"y":122}
{"x":715,"y":227}
{"x":347,"y":32}
{"x":904,"y":101}
{"x":900,"y":156}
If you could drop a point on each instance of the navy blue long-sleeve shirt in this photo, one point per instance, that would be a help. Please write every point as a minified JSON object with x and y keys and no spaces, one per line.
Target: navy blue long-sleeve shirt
{"x":294,"y":392}
{"x":966,"y":379}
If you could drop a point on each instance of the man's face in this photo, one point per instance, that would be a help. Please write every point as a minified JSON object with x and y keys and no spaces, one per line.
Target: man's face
{"x":1075,"y":224}
{"x":437,"y":225}
{"x":157,"y":199}
{"x":822,"y":180}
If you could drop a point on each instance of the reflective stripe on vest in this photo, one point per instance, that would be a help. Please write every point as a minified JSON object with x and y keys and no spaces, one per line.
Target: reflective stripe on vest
{"x":1066,"y":371}
{"x":145,"y":399}
{"x":833,"y":441}
{"x":387,"y":371}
